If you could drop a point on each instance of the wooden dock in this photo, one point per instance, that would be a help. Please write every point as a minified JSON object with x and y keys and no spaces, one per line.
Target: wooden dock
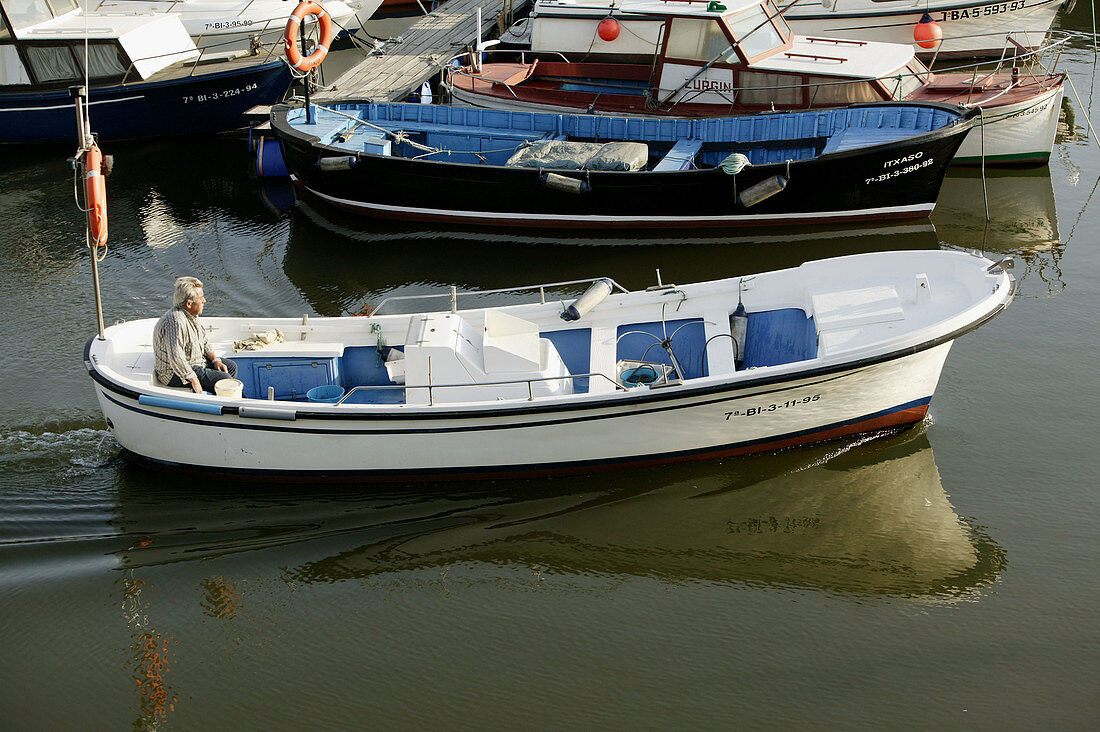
{"x":396,"y":69}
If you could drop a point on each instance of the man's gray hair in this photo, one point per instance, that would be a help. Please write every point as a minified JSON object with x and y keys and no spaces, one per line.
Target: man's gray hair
{"x":185,"y":290}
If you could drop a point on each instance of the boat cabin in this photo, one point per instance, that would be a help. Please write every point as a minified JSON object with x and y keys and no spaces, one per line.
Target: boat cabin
{"x":714,"y":58}
{"x":42,"y":45}
{"x":743,"y":52}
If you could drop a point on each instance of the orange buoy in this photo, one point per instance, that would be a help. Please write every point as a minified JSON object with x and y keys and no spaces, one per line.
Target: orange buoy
{"x":928,"y":33}
{"x":290,"y":36}
{"x":608,"y":29}
{"x":95,"y":194}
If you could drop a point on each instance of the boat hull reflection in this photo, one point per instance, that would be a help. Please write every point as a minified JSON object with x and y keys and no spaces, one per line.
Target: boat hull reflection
{"x":862,"y":517}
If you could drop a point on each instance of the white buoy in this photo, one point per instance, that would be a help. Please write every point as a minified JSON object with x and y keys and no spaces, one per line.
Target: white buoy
{"x":596,"y":293}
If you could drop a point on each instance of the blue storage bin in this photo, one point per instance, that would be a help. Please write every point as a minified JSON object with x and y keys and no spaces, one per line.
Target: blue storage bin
{"x":327,"y":393}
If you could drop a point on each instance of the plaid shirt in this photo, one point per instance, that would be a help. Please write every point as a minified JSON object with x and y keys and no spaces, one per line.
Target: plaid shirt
{"x":178,"y":344}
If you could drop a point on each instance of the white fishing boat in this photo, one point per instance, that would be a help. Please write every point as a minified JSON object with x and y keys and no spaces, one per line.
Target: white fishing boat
{"x":967,"y":28}
{"x":233,"y":25}
{"x":830,"y":348}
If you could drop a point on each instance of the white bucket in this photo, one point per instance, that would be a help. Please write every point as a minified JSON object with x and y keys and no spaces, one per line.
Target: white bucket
{"x":230,"y":388}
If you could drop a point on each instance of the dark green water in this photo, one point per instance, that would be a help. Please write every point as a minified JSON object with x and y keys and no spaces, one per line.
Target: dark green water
{"x":944,"y":576}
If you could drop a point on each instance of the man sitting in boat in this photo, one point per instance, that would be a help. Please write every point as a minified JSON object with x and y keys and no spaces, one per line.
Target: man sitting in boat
{"x":182,"y":353}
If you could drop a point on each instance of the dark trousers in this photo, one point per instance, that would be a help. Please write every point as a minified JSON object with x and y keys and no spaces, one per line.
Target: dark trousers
{"x":208,"y":375}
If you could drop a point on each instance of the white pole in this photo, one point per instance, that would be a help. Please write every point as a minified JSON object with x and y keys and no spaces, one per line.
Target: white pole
{"x":477,"y":43}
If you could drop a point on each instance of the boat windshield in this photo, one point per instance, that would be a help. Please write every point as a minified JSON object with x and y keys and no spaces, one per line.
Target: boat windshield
{"x":756,"y":32}
{"x":908,"y":80}
{"x":696,"y":40}
{"x":31,"y":12}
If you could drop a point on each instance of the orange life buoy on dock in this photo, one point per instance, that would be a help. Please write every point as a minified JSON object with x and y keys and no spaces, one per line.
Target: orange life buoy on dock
{"x":95,"y":194}
{"x":290,"y":36}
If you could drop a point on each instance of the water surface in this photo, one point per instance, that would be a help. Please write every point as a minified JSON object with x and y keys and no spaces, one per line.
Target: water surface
{"x":942,"y":576}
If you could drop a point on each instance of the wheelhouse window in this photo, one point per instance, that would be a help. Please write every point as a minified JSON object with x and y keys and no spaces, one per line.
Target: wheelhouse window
{"x":696,"y":40}
{"x":908,"y":80}
{"x":758,"y":87}
{"x":825,"y":91}
{"x":5,"y":31}
{"x":57,"y":63}
{"x":12,"y":71}
{"x":756,"y":33}
{"x":103,"y":60}
{"x":52,"y":63}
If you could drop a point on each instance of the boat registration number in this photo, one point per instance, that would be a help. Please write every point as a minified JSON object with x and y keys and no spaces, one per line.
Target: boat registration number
{"x":984,"y":10}
{"x":773,"y":407}
{"x":899,"y":171}
{"x":215,"y":96}
{"x":224,"y":24}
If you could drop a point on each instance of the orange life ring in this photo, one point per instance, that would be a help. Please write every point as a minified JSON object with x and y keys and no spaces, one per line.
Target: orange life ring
{"x":95,"y":194}
{"x":290,"y":36}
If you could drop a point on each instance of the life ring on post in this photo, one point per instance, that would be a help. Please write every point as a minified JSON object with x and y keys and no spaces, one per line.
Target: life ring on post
{"x":290,"y":36}
{"x":95,"y":194}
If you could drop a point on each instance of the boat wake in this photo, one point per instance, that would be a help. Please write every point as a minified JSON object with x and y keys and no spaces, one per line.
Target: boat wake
{"x":66,"y":450}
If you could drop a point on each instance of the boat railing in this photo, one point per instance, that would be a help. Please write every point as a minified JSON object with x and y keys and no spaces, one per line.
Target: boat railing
{"x":529,"y":382}
{"x":454,"y":294}
{"x":1013,"y":50}
{"x":206,"y":54}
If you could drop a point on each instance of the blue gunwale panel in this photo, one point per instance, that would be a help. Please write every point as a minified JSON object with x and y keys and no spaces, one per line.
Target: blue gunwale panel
{"x":887,"y":121}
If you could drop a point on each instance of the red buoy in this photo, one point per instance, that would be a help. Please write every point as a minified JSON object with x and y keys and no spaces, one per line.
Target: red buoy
{"x":608,"y":29}
{"x":928,"y":33}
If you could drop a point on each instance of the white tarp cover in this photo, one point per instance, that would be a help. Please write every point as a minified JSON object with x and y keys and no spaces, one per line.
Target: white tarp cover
{"x":561,"y":155}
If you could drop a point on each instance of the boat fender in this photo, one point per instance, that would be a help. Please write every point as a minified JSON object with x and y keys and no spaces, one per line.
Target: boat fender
{"x":186,"y":406}
{"x":346,"y":162}
{"x":290,"y":36}
{"x":269,"y":159}
{"x":763,"y":190}
{"x":268,"y":413}
{"x":564,"y":183}
{"x":596,"y":293}
{"x":739,"y":326}
{"x":95,"y":194}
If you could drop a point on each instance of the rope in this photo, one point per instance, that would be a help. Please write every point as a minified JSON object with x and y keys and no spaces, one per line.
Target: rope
{"x":981,"y":128}
{"x":1088,"y":121}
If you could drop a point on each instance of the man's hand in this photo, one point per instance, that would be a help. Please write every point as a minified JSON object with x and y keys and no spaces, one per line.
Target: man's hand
{"x":195,"y":385}
{"x":220,"y":366}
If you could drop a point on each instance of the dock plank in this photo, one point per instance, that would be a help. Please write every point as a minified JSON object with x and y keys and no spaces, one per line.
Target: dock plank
{"x":425,"y":48}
